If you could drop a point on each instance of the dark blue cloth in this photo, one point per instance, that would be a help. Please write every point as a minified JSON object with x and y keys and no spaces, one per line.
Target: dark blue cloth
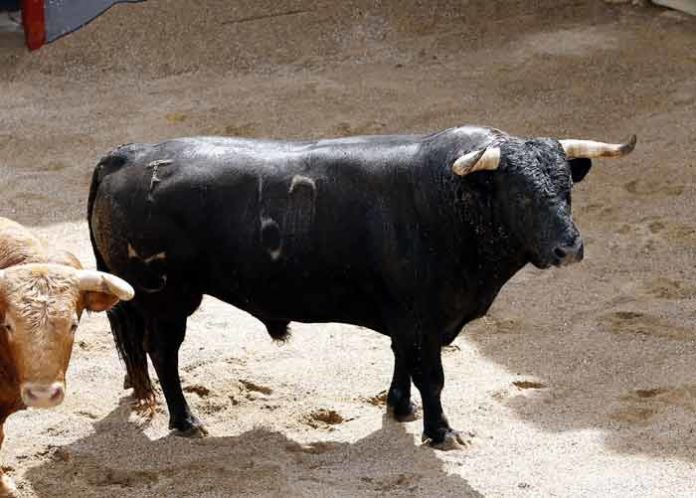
{"x":10,"y":5}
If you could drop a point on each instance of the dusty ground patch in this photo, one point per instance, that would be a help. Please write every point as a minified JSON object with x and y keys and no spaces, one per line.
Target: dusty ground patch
{"x":580,"y":382}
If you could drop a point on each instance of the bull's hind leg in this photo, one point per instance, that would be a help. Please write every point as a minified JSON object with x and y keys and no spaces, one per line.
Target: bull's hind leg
{"x":164,"y":339}
{"x":128,"y":328}
{"x":399,"y":402}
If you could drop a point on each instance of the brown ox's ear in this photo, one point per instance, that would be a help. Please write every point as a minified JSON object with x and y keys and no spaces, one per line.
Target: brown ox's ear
{"x":99,"y":301}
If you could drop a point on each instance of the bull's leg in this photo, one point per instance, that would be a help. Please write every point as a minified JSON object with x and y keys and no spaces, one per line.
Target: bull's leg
{"x":399,"y":398}
{"x":138,"y":378}
{"x":424,"y":358}
{"x":164,"y":339}
{"x":7,"y":487}
{"x":128,"y":328}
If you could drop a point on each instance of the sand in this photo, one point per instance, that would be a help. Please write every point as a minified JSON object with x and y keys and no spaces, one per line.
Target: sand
{"x":579,"y":382}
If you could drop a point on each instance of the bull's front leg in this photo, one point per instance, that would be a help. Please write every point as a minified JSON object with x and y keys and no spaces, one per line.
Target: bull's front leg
{"x":7,"y":487}
{"x":423,"y":355}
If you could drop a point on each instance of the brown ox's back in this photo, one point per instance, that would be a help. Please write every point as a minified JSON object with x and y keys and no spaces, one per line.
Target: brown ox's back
{"x":19,"y":246}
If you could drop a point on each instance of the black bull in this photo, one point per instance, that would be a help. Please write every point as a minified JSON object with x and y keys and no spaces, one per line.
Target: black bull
{"x":392,"y":233}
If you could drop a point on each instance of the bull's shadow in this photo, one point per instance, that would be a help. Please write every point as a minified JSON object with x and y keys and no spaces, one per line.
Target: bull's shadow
{"x":118,"y":459}
{"x":597,"y":353}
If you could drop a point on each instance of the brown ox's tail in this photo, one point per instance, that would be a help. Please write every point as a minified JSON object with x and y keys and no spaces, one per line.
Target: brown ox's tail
{"x":127,"y":322}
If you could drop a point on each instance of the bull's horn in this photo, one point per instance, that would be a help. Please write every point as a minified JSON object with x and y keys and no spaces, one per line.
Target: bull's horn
{"x":97,"y":281}
{"x":477,"y":160}
{"x":590,"y":148}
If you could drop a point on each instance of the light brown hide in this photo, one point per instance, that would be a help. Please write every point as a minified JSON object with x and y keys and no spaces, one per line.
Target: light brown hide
{"x":42,"y":304}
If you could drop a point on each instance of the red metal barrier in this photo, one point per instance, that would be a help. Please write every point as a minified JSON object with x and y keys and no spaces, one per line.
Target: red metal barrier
{"x":34,"y":21}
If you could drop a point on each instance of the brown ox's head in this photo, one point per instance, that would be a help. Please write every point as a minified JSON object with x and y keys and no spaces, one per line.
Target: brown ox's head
{"x":40,"y":307}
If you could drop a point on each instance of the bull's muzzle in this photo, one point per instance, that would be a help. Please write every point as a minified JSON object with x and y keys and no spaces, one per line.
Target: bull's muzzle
{"x":38,"y":395}
{"x":566,"y":254}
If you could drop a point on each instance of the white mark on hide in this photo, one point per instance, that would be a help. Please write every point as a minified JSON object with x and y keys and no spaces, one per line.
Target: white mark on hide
{"x":155,"y":165}
{"x":301,"y":181}
{"x":271,"y":237}
{"x":132,"y":253}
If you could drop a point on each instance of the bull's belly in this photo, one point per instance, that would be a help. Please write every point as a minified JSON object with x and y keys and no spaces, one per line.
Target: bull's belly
{"x":303,"y":301}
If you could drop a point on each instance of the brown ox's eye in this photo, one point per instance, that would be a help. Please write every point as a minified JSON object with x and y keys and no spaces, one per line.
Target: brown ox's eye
{"x":73,"y":327}
{"x":7,"y":328}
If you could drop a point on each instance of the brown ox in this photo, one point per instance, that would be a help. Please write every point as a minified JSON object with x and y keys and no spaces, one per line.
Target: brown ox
{"x":43,"y":293}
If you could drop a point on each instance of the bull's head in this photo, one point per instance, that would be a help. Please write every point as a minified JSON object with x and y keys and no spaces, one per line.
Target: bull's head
{"x":40,"y":307}
{"x":532,"y":190}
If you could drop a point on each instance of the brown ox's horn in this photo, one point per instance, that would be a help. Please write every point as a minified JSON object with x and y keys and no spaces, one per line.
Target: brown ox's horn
{"x":591,"y":149}
{"x":478,"y":160}
{"x":97,"y":281}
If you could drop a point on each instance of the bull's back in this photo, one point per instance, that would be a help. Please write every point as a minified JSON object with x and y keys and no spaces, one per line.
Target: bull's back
{"x":268,"y":226}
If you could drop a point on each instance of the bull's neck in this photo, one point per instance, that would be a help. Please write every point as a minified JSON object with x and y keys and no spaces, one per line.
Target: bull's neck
{"x":484,"y":245}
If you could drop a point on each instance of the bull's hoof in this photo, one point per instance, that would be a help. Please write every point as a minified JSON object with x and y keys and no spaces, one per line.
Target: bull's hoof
{"x":407,"y":413}
{"x":7,"y":487}
{"x":193,"y":428}
{"x":449,"y":440}
{"x":145,"y":406}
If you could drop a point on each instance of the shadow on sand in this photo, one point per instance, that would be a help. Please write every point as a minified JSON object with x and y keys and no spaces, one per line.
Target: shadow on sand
{"x":118,"y":459}
{"x":600,"y":355}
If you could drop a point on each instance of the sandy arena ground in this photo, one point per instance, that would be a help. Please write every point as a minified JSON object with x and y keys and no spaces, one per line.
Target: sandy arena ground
{"x":580,"y":382}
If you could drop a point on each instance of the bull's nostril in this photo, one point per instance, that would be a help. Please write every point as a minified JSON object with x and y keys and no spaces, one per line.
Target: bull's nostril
{"x":559,"y":253}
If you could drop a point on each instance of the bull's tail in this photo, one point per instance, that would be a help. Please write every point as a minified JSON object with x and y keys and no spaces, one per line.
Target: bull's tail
{"x":128,"y":329}
{"x":278,"y":330}
{"x":127,"y":322}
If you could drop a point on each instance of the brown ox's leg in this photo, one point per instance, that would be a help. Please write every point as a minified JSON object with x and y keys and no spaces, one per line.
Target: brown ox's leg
{"x":7,"y":487}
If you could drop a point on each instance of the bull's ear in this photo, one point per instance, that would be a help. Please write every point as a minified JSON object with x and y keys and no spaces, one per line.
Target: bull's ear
{"x":579,"y":167}
{"x":99,"y":301}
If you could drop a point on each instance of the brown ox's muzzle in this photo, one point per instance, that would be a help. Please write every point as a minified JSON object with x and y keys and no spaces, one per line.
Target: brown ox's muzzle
{"x":41,"y":395}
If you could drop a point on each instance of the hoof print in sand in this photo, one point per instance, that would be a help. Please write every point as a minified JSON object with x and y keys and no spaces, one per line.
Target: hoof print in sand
{"x":175,"y":117}
{"x":253,"y":391}
{"x":637,"y":323}
{"x":528,"y":384}
{"x":642,"y":187}
{"x":378,"y":400}
{"x":640,"y":406}
{"x":664,"y":288}
{"x":201,"y":391}
{"x":324,"y":419}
